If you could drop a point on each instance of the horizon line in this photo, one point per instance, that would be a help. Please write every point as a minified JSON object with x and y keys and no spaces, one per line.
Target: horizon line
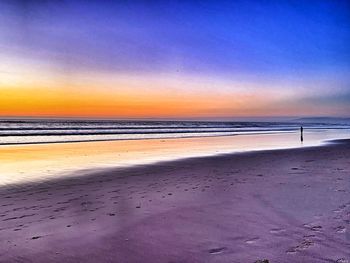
{"x":170,"y":119}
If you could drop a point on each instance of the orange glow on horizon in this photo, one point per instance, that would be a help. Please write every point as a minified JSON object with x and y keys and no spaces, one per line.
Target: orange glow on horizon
{"x":72,"y":102}
{"x":95,"y":95}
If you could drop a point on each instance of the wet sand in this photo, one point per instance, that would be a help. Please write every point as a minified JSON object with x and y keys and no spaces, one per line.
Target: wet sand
{"x":282,"y":205}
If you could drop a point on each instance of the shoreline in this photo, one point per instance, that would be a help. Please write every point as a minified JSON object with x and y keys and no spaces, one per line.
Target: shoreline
{"x":92,"y":172}
{"x":289,"y":205}
{"x":42,"y":162}
{"x":139,"y":139}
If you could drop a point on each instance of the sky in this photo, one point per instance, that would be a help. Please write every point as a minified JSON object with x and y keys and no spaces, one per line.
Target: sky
{"x":174,"y":59}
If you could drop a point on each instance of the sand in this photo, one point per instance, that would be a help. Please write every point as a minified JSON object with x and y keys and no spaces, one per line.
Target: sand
{"x":281,"y":205}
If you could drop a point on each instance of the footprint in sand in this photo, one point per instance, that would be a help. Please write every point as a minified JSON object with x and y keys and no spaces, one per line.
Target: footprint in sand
{"x":304,"y":244}
{"x":340,"y":229}
{"x":292,"y":250}
{"x":340,"y":190}
{"x":252,"y":241}
{"x":277,"y":230}
{"x":218,"y":250}
{"x":315,"y":228}
{"x":339,"y":179}
{"x":337,"y":211}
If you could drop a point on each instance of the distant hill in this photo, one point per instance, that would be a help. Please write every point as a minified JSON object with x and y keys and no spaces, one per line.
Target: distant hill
{"x":331,"y":120}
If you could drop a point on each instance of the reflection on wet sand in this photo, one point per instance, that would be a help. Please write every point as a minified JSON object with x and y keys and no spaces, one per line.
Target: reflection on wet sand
{"x":24,"y":163}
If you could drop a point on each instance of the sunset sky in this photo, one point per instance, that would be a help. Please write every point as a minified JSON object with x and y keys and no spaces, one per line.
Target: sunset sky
{"x":174,"y":59}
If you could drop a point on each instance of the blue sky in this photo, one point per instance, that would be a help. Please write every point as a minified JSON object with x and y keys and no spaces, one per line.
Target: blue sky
{"x":301,"y":45}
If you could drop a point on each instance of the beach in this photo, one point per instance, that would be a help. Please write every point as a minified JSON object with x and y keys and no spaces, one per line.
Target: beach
{"x":174,"y":131}
{"x":289,"y":205}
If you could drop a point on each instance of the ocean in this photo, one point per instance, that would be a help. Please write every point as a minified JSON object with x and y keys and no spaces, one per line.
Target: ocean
{"x":40,"y":150}
{"x":30,"y":131}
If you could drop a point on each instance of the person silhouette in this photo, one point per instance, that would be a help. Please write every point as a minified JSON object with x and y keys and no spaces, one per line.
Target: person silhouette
{"x":301,"y":134}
